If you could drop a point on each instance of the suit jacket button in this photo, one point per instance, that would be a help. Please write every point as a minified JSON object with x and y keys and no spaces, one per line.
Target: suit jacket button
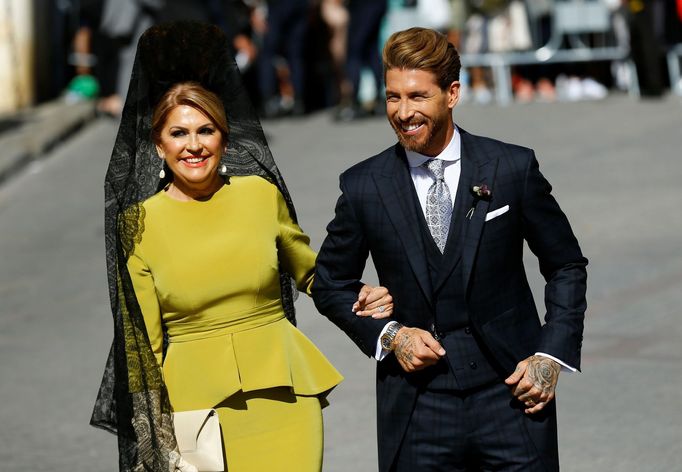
{"x":467,"y":330}
{"x":473,"y":365}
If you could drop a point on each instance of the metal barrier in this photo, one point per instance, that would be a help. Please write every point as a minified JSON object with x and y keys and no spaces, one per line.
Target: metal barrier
{"x":574,"y":22}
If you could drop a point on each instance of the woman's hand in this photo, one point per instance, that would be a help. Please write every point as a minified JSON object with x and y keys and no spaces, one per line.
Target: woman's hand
{"x":183,"y":466}
{"x":178,"y":463}
{"x":374,"y":301}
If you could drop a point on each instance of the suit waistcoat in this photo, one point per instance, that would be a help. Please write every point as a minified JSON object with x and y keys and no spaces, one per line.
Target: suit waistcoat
{"x":466,"y":364}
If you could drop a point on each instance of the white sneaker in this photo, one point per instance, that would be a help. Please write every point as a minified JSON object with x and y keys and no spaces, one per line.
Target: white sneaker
{"x":574,"y":89}
{"x":568,"y":89}
{"x":593,"y":90}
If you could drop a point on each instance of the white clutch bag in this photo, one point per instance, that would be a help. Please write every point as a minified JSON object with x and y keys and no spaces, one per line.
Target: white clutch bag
{"x":198,"y":435}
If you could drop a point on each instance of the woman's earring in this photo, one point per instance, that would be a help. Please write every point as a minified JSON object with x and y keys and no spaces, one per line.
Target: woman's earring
{"x":162,"y":172}
{"x":223,"y":169}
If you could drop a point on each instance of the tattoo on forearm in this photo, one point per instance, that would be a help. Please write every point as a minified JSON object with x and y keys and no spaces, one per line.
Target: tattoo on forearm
{"x":404,"y":348}
{"x":544,"y":373}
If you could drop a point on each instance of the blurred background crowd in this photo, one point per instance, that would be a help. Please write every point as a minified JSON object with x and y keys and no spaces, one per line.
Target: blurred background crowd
{"x":299,"y":56}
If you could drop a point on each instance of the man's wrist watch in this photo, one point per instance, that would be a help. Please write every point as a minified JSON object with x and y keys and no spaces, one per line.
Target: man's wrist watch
{"x":389,"y":335}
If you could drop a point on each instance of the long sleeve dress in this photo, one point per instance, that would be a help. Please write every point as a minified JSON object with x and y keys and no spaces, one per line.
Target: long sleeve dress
{"x":206,"y":272}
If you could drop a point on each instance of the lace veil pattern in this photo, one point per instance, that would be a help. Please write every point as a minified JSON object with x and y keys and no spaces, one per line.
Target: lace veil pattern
{"x":132,"y":401}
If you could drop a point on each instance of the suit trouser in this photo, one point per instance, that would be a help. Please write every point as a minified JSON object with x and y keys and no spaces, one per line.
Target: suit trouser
{"x":480,"y":430}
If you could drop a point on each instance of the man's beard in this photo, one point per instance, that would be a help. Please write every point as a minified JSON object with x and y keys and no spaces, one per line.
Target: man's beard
{"x":414,"y":143}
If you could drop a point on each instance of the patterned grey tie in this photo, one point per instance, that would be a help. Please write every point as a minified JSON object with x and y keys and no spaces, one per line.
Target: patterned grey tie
{"x":438,"y":204}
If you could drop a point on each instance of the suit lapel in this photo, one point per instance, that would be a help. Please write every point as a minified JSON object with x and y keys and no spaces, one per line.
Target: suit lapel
{"x":484,"y":169}
{"x":396,"y":191}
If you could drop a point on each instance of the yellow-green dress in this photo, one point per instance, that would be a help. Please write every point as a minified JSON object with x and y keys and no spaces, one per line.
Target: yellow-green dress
{"x":207,"y":273}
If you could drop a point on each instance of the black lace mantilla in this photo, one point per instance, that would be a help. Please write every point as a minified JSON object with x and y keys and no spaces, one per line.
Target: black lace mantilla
{"x":132,"y":401}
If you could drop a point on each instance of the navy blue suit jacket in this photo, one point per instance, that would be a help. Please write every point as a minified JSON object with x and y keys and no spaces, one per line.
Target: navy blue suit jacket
{"x":376,"y":215}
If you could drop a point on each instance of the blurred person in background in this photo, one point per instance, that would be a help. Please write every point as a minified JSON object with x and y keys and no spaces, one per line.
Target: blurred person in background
{"x":455,"y":32}
{"x":202,"y":250}
{"x":122,"y":24}
{"x":84,"y":85}
{"x":535,"y":82}
{"x":673,"y":22}
{"x":67,"y":49}
{"x":191,"y":10}
{"x":236,"y":18}
{"x":653,"y":25}
{"x":458,"y":17}
{"x":493,"y":26}
{"x":241,"y":23}
{"x":434,"y":14}
{"x":362,"y":51}
{"x":285,"y":36}
{"x":581,"y":81}
{"x":507,"y":26}
{"x":466,"y":373}
{"x":335,"y":15}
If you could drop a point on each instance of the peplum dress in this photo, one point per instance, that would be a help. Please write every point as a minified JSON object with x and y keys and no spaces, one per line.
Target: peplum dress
{"x":206,"y":272}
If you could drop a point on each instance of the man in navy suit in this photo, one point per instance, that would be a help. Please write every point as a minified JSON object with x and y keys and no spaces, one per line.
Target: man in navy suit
{"x":466,"y":372}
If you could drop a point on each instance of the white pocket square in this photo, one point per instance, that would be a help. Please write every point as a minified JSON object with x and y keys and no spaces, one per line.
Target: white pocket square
{"x":495,"y":213}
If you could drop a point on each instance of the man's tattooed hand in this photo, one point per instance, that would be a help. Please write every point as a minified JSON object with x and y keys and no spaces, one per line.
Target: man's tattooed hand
{"x":534,"y":382}
{"x":416,"y":349}
{"x":544,"y":373}
{"x":404,"y":348}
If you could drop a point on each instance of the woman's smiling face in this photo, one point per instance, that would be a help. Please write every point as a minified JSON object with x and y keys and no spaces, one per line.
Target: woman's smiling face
{"x":191,"y":145}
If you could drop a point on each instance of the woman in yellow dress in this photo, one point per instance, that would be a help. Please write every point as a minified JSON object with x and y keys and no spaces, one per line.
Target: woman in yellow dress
{"x":200,"y":270}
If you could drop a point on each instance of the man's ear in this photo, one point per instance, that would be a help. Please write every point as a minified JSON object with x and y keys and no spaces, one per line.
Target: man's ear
{"x":453,"y":94}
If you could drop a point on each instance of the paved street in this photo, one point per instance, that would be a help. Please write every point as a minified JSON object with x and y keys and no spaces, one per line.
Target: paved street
{"x":616,"y":167}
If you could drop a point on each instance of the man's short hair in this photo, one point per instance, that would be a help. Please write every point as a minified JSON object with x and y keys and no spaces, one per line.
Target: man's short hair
{"x":423,"y":49}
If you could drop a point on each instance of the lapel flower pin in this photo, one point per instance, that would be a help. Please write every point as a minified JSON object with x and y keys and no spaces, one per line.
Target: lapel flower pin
{"x":483,"y":192}
{"x":480,"y":192}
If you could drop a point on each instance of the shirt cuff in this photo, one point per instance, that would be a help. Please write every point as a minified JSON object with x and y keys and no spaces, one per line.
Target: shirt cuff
{"x":380,"y":353}
{"x":564,"y":367}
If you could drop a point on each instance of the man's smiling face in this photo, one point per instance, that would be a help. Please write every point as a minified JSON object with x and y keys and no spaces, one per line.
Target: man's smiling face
{"x":420,"y":111}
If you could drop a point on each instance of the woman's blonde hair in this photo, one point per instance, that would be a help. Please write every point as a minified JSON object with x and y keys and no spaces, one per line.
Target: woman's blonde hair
{"x":194,"y":95}
{"x":423,"y":49}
